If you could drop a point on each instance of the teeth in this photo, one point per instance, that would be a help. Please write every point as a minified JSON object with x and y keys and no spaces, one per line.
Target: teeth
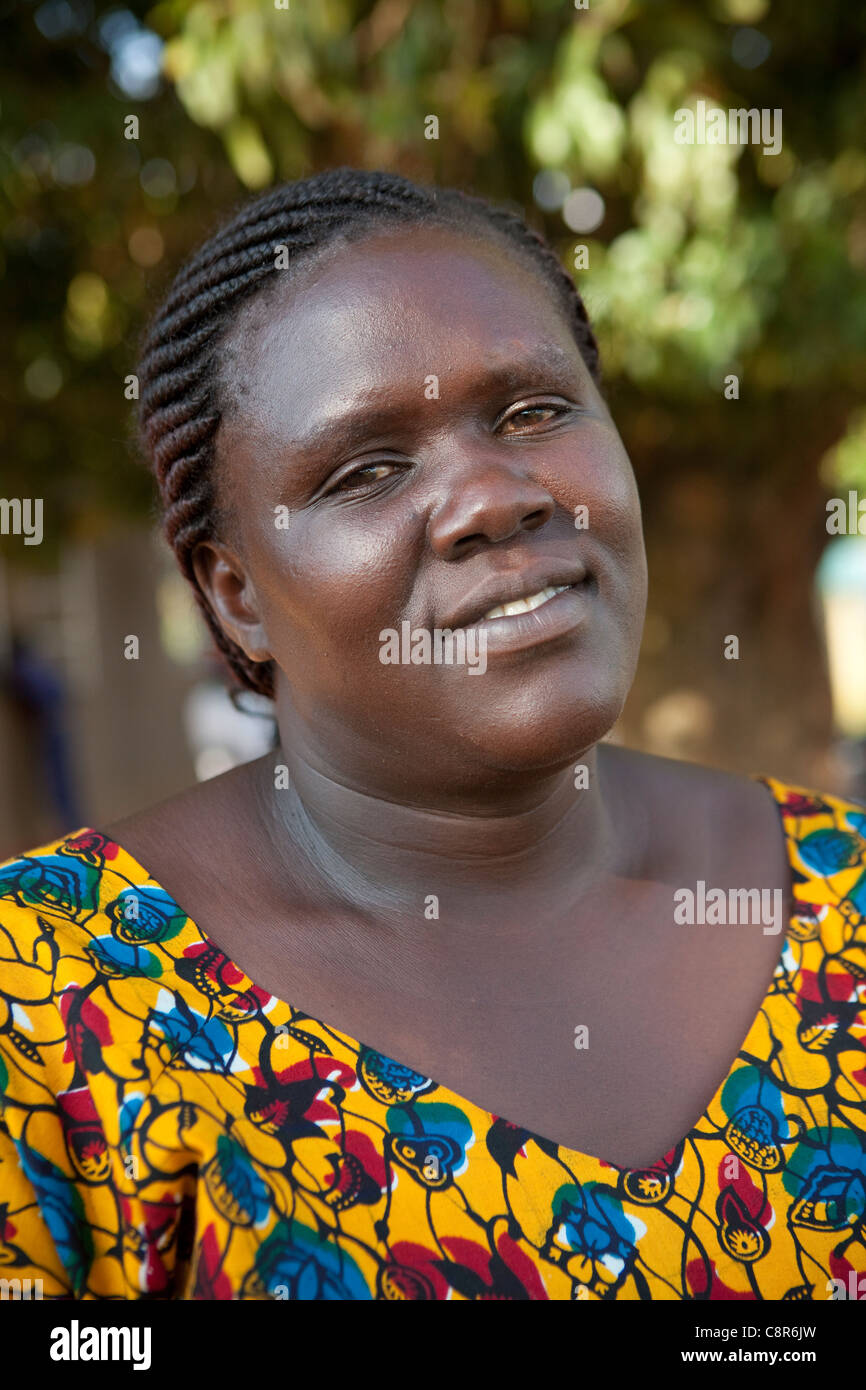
{"x":526,"y":605}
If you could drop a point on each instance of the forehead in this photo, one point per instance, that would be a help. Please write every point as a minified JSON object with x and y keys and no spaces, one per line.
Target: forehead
{"x":368,"y":318}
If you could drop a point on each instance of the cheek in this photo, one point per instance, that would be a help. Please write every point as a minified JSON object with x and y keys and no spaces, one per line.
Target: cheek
{"x":610,"y":540}
{"x":326,"y":583}
{"x":605,"y":505}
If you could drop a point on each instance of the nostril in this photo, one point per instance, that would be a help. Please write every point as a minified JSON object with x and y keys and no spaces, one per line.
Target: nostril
{"x":463,"y":541}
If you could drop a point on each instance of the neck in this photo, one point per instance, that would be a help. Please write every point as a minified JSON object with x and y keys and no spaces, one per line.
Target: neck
{"x":536,"y":842}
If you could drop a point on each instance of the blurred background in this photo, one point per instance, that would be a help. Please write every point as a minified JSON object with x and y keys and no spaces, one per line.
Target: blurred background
{"x":703,"y":263}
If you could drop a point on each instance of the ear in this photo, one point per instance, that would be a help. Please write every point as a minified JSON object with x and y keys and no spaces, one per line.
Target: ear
{"x":231,"y":595}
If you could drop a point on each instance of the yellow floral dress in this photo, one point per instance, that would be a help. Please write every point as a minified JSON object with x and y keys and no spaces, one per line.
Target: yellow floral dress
{"x":170,"y":1130}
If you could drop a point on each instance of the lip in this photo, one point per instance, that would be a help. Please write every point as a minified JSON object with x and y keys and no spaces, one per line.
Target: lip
{"x":558,"y":617}
{"x":507,"y":588}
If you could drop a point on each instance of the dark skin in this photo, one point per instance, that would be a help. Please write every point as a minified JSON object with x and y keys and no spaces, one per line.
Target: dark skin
{"x":555,"y":904}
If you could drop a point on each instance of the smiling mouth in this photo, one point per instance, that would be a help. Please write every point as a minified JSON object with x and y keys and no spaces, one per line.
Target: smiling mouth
{"x":526,"y":605}
{"x":545,"y":617}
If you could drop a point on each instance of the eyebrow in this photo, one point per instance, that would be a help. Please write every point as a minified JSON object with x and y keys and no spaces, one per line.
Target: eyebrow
{"x":357,"y":423}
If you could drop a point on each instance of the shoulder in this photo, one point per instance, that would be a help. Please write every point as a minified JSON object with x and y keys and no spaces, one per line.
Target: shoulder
{"x":826,"y":835}
{"x":93,"y":954}
{"x":688,"y":809}
{"x":52,"y":906}
{"x":197,"y":829}
{"x":73,"y":910}
{"x":45,"y":888}
{"x":744,"y":820}
{"x":685,"y":788}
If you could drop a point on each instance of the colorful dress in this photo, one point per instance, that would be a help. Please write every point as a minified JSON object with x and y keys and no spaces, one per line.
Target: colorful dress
{"x":170,"y":1130}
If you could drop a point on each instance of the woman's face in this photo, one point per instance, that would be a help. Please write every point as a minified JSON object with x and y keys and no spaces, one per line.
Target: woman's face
{"x":413,"y":437}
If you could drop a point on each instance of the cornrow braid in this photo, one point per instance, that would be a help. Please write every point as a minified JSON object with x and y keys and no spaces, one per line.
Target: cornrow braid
{"x":180,"y":408}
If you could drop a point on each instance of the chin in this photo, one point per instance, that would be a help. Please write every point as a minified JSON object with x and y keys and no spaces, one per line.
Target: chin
{"x":544,"y":724}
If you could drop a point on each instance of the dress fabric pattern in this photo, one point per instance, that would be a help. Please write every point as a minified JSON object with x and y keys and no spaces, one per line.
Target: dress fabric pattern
{"x":170,"y":1130}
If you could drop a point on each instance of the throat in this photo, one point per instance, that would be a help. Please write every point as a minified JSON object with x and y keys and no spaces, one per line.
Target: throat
{"x":373,"y":855}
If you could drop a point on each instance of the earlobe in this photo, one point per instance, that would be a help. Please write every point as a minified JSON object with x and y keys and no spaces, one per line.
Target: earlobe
{"x":232,"y":598}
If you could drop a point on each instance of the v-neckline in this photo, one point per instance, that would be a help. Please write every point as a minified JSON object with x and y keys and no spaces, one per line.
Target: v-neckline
{"x":575,"y":1157}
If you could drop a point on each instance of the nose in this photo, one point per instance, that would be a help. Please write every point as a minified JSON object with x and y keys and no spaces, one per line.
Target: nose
{"x":488,"y":502}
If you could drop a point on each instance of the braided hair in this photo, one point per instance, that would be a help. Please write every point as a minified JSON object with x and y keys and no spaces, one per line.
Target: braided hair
{"x":181,"y":403}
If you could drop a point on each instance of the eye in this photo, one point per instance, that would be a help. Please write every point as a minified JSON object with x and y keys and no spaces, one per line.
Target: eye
{"x":360,"y":477}
{"x":536,"y":410}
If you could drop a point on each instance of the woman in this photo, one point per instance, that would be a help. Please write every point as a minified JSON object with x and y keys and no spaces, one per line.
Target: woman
{"x":446,"y":997}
